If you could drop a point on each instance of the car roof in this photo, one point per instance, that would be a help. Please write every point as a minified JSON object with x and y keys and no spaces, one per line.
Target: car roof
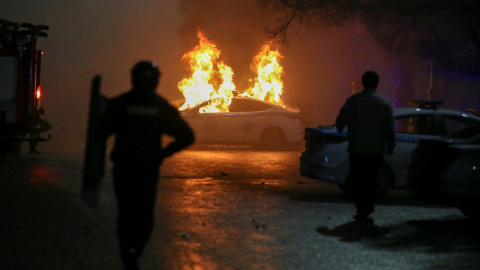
{"x":254,"y":99}
{"x":405,"y":111}
{"x":268,"y":103}
{"x":273,"y":106}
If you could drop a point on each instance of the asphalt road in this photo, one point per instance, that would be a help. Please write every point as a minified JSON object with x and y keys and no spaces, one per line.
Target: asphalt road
{"x":223,"y":208}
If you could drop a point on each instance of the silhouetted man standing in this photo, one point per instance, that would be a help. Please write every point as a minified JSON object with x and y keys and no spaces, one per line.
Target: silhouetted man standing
{"x":139,"y":118}
{"x":371,"y":131}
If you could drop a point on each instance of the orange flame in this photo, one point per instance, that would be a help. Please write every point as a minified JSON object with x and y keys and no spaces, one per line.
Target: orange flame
{"x":268,"y":84}
{"x":211,"y":79}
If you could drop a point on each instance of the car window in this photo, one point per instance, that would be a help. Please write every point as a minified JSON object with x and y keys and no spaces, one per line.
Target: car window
{"x":460,"y":127}
{"x":418,"y":124}
{"x":245,"y":105}
{"x":210,"y":106}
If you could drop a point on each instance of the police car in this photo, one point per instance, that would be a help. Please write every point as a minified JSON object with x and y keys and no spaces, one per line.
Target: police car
{"x":248,"y":121}
{"x":446,"y":171}
{"x":326,"y":158}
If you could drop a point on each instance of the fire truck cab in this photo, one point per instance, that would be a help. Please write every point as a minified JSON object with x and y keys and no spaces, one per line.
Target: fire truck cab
{"x":20,"y":90}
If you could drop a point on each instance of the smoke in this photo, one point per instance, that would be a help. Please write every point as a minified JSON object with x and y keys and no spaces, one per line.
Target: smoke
{"x":236,"y":27}
{"x":322,"y":68}
{"x":108,"y":37}
{"x":319,"y":70}
{"x":91,"y":37}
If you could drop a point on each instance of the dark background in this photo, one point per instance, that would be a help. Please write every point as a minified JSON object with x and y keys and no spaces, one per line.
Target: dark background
{"x":108,"y":37}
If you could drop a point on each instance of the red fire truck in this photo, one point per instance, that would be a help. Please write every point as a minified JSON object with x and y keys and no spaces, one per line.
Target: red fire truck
{"x":20,"y":90}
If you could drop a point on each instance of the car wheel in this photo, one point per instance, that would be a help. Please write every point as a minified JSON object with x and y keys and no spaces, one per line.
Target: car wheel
{"x":471,"y":211}
{"x":272,"y":138}
{"x":385,"y":181}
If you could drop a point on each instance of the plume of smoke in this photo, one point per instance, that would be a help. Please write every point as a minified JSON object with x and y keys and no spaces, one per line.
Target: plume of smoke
{"x":236,"y":27}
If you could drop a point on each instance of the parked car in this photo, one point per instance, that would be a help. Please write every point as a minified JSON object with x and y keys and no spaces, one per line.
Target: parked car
{"x":248,"y":121}
{"x":326,"y":158}
{"x":447,"y":171}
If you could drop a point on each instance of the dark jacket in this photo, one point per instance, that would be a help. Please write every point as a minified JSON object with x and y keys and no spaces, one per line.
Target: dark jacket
{"x":369,"y":120}
{"x":139,"y":120}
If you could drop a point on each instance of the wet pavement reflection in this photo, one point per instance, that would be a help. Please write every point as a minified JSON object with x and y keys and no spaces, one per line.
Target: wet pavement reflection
{"x":223,"y":209}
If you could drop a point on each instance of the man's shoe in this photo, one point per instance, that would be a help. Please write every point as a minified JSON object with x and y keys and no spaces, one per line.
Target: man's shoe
{"x":130,"y":259}
{"x":360,"y":217}
{"x":363,"y":215}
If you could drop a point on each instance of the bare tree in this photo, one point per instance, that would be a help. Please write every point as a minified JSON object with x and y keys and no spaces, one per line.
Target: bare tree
{"x":443,"y":31}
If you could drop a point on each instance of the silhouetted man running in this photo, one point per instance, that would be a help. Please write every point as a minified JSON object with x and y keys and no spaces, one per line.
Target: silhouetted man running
{"x":139,"y":118}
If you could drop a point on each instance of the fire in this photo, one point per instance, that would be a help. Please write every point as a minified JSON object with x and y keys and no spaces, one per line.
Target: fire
{"x":211,"y":79}
{"x":268,"y":84}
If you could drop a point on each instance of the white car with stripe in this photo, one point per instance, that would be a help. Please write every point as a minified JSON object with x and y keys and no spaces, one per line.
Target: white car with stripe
{"x":249,"y":121}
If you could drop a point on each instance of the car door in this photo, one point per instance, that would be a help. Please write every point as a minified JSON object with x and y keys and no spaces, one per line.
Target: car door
{"x":206,"y":126}
{"x":246,"y":120}
{"x":409,"y":130}
{"x":229,"y":127}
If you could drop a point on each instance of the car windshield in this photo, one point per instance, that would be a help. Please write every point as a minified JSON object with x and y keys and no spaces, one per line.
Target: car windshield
{"x":427,"y":124}
{"x":460,"y":127}
{"x":238,"y":105}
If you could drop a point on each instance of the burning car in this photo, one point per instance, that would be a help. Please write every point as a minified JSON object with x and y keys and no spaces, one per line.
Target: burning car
{"x":247,"y":121}
{"x":326,"y":158}
{"x":220,"y":114}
